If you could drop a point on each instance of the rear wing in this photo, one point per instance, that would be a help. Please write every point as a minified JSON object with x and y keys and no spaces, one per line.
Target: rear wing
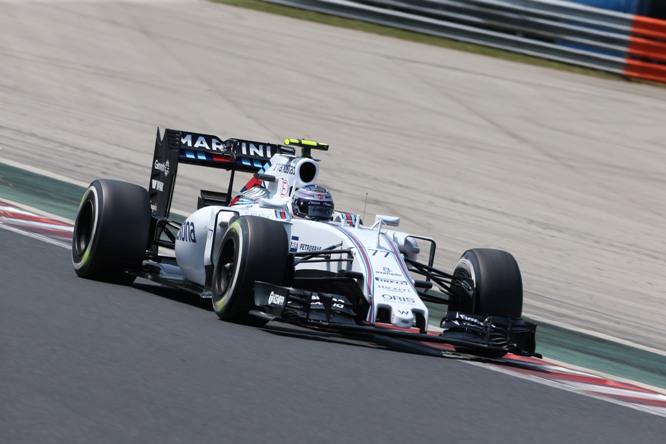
{"x":206,"y":150}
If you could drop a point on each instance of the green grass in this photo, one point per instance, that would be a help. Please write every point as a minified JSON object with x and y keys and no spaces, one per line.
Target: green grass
{"x":331,"y":20}
{"x":47,"y":194}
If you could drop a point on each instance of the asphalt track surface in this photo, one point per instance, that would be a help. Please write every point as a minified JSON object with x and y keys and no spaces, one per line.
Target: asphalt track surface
{"x":84,"y":361}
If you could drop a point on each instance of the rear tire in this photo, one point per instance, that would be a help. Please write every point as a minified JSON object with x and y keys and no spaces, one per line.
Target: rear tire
{"x":111,"y":231}
{"x":252,"y":249}
{"x":487,"y":282}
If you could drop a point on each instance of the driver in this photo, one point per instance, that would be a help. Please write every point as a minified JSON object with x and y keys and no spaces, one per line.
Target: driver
{"x":312,"y":202}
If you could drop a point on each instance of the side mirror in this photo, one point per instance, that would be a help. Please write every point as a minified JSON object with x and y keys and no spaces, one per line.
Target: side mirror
{"x":391,"y":221}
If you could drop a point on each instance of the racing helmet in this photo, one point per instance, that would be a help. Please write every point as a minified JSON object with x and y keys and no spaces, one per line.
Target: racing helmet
{"x":313,"y":202}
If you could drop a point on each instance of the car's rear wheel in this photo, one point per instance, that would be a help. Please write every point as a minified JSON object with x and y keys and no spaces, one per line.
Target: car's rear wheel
{"x":111,"y":231}
{"x":252,"y":249}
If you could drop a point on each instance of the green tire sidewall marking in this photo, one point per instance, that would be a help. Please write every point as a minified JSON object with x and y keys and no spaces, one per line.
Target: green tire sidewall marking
{"x":86,"y":257}
{"x":233,"y":227}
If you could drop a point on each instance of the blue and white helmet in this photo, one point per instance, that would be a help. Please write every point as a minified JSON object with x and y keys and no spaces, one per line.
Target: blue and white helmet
{"x":313,"y":202}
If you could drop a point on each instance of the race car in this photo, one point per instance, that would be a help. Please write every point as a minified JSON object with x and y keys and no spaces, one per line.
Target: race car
{"x":279,"y":250}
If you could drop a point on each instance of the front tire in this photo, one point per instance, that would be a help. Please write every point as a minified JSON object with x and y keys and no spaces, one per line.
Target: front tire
{"x":111,"y":231}
{"x":487,"y":282}
{"x":252,"y":249}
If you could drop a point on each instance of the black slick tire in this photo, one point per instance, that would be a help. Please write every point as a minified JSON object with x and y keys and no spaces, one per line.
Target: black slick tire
{"x":252,"y":249}
{"x":487,"y":282}
{"x":111,"y":231}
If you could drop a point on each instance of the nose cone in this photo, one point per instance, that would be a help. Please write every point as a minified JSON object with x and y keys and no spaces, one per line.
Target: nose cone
{"x":402,"y":317}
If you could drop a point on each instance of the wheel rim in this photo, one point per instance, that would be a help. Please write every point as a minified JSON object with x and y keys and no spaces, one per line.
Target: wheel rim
{"x":84,"y":228}
{"x":465,"y":288}
{"x":225,"y":276}
{"x":466,"y":282}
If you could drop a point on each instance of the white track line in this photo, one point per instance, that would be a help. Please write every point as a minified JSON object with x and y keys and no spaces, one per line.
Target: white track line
{"x":40,"y":237}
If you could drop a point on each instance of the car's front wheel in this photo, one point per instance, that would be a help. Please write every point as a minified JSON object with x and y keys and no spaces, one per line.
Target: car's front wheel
{"x":252,"y":249}
{"x":487,"y":282}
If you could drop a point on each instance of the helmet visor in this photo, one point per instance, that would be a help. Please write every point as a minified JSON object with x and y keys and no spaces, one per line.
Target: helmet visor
{"x":319,"y":210}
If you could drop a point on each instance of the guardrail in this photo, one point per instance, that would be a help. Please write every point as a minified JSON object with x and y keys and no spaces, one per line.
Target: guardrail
{"x":623,"y":44}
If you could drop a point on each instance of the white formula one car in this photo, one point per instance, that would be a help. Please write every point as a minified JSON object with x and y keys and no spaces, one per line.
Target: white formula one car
{"x":278,"y":250}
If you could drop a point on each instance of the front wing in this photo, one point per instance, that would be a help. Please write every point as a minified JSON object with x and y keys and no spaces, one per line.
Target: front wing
{"x":494,"y":336}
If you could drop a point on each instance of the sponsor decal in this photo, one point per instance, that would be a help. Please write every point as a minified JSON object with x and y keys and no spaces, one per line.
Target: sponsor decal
{"x":397,"y":298}
{"x":388,"y":272}
{"x":163,"y":167}
{"x":153,"y":207}
{"x":469,"y":319}
{"x":186,"y":232}
{"x":394,"y":289}
{"x":404,"y":312}
{"x":213,"y":144}
{"x":285,"y":168}
{"x":275,"y":299}
{"x":391,"y":281}
{"x":256,"y":149}
{"x":157,"y":185}
{"x":293,"y":246}
{"x":308,"y":247}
